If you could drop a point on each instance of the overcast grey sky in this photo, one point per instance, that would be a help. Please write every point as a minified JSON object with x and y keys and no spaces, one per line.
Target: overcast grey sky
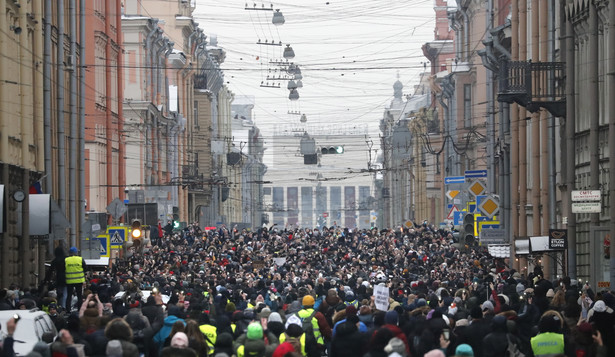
{"x":349,"y":53}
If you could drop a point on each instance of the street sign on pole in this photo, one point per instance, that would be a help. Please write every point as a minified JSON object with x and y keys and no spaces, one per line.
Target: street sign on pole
{"x":475,"y":174}
{"x":454,"y":179}
{"x":489,"y":206}
{"x":117,"y":235}
{"x":102,"y":245}
{"x":116,"y":208}
{"x":451,"y":213}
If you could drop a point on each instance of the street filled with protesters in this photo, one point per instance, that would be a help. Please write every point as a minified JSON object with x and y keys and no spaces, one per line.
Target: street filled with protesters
{"x":311,"y":292}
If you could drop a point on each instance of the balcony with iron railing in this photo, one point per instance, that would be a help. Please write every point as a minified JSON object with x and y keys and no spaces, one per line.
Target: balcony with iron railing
{"x":533,"y":85}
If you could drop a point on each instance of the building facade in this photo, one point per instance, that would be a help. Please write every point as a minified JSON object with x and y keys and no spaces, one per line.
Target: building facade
{"x":105,"y":149}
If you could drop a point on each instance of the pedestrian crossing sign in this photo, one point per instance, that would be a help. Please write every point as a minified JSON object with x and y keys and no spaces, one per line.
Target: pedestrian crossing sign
{"x":117,"y":236}
{"x":103,"y":247}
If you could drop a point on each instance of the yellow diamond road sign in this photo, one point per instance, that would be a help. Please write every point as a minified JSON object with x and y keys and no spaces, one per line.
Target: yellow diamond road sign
{"x":477,"y":188}
{"x":489,"y":206}
{"x":451,"y":194}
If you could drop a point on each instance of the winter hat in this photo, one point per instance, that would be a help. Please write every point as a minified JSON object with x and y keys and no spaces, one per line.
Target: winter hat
{"x":293,"y":320}
{"x":308,"y":300}
{"x":434,"y":353}
{"x":487,"y":305}
{"x":224,"y":340}
{"x":464,"y":350}
{"x":391,"y":317}
{"x":600,"y":306}
{"x":295,"y":306}
{"x":274,"y":317}
{"x":73,"y":250}
{"x":265,"y":313}
{"x":179,"y":340}
{"x":395,"y":345}
{"x":585,"y":327}
{"x":462,"y":322}
{"x":283,"y":349}
{"x":255,"y":331}
{"x":506,"y":299}
{"x":114,"y":349}
{"x":230,"y":307}
{"x":550,"y":293}
{"x":294,"y":331}
{"x":351,"y":310}
{"x":520,"y":288}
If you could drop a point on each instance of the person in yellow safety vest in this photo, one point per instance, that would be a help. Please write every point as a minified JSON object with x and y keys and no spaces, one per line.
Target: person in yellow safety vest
{"x":549,"y":342}
{"x":255,"y":342}
{"x":75,"y":277}
{"x":320,"y":326}
{"x":210,"y":331}
{"x":302,"y":342}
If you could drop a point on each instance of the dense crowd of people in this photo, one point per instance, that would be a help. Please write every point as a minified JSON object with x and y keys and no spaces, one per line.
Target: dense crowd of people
{"x":310,"y":292}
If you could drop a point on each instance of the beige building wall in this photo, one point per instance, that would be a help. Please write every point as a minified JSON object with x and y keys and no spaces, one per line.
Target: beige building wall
{"x":21,"y":136}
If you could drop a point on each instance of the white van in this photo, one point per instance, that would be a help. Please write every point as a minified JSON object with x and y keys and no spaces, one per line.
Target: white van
{"x":33,"y":326}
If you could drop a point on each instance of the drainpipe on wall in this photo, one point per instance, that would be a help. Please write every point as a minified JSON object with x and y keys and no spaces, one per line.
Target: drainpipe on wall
{"x":82,"y":40}
{"x":61,"y":135}
{"x":594,"y":112}
{"x":569,"y":45}
{"x":611,"y":106}
{"x":47,"y":97}
{"x":466,"y":30}
{"x":72,"y":170}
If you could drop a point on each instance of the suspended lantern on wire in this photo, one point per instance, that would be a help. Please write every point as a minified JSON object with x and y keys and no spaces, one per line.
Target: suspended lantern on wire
{"x":299,"y":84}
{"x":278,"y":18}
{"x":288,"y":52}
{"x":292,"y":85}
{"x":293,"y":95}
{"x":298,"y":74}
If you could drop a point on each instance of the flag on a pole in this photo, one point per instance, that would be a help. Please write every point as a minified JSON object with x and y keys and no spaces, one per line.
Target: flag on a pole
{"x":35,"y":188}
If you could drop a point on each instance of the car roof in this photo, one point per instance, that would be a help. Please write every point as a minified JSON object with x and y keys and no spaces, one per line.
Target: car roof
{"x":27,"y":332}
{"x":24,"y":314}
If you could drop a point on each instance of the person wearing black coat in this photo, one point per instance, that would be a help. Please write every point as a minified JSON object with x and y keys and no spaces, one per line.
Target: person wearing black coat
{"x":56,"y":274}
{"x":495,"y":343}
{"x":348,"y":341}
{"x":474,"y":333}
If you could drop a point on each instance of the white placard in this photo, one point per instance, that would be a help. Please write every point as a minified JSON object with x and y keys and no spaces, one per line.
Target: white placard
{"x":586,"y":207}
{"x":279,"y":261}
{"x":588,"y":195}
{"x":381,"y":294}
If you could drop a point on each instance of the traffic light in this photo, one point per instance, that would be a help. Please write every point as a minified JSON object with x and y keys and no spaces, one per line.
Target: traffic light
{"x":468,"y":229}
{"x":326,"y":150}
{"x":135,"y":230}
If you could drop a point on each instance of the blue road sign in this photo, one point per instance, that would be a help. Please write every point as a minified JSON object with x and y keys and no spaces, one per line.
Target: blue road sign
{"x":117,"y":236}
{"x":475,"y":173}
{"x":458,"y":217}
{"x":104,"y":245}
{"x":454,"y":179}
{"x":479,"y":199}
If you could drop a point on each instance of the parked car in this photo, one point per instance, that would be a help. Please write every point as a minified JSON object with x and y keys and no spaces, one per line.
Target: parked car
{"x":33,"y":326}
